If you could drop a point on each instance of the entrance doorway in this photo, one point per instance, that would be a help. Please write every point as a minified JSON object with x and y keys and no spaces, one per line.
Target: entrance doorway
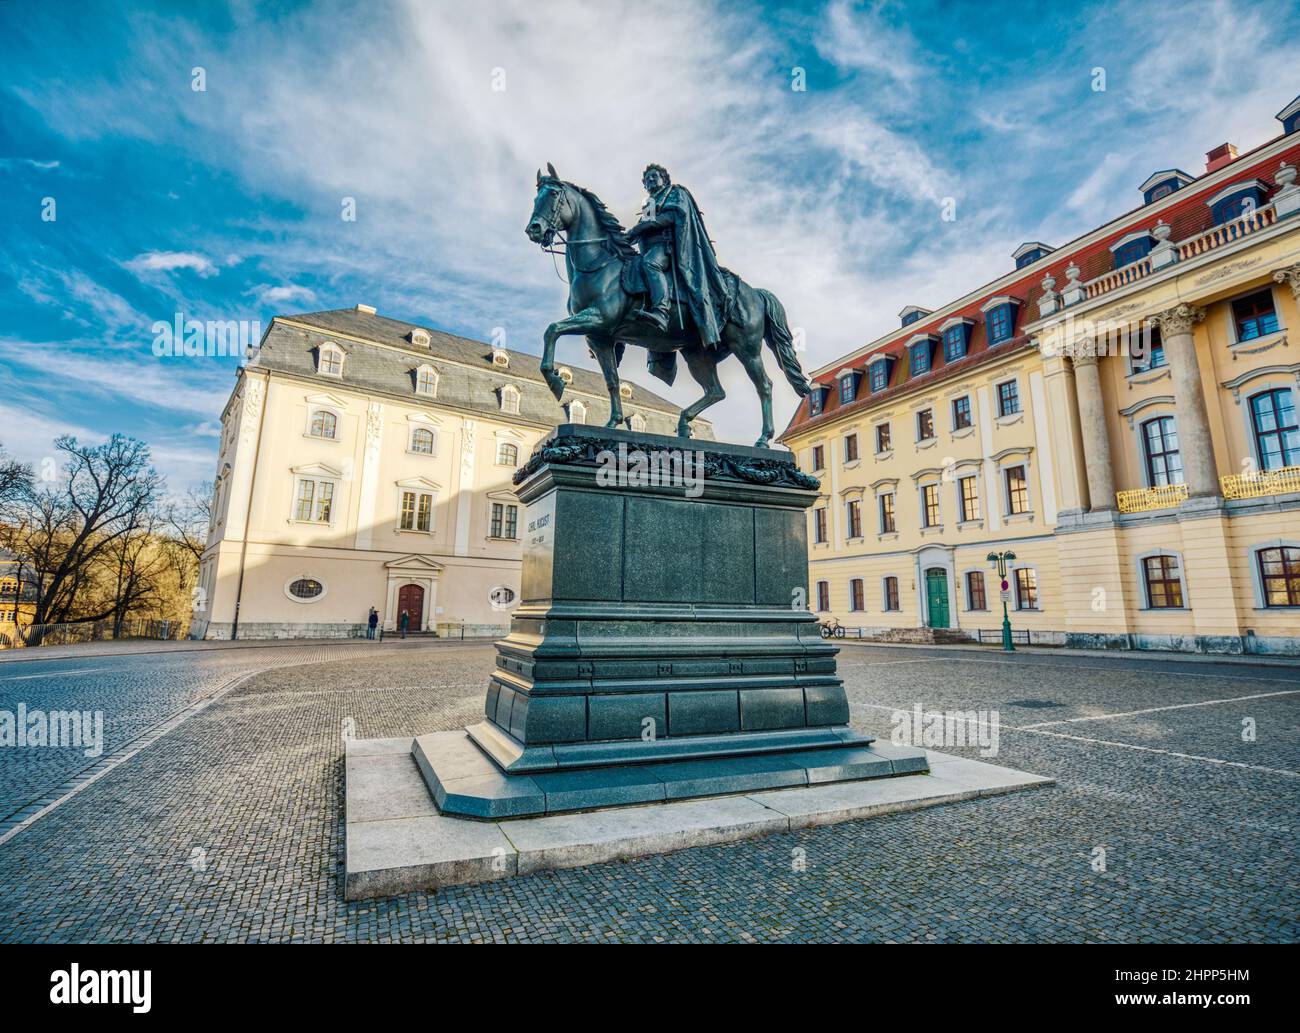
{"x":936,"y":597}
{"x":411,"y":599}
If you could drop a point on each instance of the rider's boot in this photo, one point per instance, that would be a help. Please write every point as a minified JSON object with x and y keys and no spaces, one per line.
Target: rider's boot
{"x":656,"y":312}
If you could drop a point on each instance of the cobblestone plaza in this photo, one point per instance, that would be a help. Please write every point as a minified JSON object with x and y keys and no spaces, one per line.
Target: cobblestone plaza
{"x":1166,"y":824}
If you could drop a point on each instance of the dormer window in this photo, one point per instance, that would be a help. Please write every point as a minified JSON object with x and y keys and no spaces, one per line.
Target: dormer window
{"x":956,"y":337}
{"x":577,"y":412}
{"x":911,"y":314}
{"x":1289,"y":116}
{"x":1000,"y":318}
{"x":1132,"y":248}
{"x":501,"y":358}
{"x":625,"y":391}
{"x":1237,"y":200}
{"x":1030,"y":252}
{"x":920,"y":353}
{"x":878,"y":374}
{"x":637,"y":422}
{"x":329,"y":361}
{"x":848,"y":381}
{"x":426,"y":381}
{"x":419,"y":338}
{"x":816,"y":400}
{"x":566,"y":374}
{"x":509,"y":396}
{"x":1163,"y":183}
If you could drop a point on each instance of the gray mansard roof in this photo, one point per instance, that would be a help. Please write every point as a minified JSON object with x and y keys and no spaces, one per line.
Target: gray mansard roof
{"x":467,"y":377}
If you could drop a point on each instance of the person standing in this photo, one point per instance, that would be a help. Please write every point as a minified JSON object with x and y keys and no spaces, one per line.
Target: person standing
{"x":372,"y":622}
{"x":405,"y":622}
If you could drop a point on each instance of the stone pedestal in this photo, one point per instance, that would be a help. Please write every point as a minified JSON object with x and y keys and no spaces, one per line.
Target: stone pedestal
{"x":662,"y":646}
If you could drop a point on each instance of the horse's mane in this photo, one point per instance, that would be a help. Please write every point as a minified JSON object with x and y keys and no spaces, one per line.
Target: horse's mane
{"x":609,"y":225}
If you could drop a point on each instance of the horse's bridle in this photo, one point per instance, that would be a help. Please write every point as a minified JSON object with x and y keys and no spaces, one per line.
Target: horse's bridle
{"x":553,"y":224}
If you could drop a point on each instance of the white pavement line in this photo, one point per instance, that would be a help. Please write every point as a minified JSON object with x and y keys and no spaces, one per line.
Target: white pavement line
{"x":1113,"y":665}
{"x":152,"y":735}
{"x":54,"y":674}
{"x":1105,"y":742}
{"x":890,"y":663}
{"x":1156,"y":710}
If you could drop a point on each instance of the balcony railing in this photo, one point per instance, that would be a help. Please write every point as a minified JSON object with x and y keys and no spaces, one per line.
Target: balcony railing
{"x":1122,"y":275}
{"x":1217,"y":236}
{"x":1143,"y":500}
{"x":1258,"y":485}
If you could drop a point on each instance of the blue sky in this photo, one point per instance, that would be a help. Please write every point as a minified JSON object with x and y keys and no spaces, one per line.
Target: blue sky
{"x":225,"y":203}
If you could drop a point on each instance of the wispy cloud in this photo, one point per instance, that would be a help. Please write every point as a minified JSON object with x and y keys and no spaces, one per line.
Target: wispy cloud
{"x":169,"y":261}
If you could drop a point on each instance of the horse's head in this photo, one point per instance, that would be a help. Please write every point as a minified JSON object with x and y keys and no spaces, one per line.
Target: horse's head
{"x":553,"y":210}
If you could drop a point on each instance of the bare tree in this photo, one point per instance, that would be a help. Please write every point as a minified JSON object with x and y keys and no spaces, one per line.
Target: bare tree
{"x":189,"y":520}
{"x":67,"y":530}
{"x":15,"y":481}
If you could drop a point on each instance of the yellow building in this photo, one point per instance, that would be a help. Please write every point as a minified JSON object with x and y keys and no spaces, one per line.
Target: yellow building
{"x":17,"y":602}
{"x":1119,"y":412}
{"x":367,"y":462}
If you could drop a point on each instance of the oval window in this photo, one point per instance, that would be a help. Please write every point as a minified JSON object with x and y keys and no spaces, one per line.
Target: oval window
{"x":501,"y":597}
{"x":306,"y":588}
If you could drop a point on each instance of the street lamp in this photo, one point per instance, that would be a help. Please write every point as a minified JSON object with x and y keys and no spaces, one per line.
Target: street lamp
{"x":998,"y":561}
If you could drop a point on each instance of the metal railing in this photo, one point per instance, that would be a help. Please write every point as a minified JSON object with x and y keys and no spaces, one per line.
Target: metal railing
{"x":97,"y":631}
{"x":1143,"y":500}
{"x":1257,"y":485}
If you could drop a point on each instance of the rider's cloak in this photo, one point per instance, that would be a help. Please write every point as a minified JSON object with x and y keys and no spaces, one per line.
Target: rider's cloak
{"x":699,"y":277}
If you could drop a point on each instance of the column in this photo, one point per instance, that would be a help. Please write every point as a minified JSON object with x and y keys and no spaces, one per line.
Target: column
{"x":1092,"y":428}
{"x":1194,"y":441}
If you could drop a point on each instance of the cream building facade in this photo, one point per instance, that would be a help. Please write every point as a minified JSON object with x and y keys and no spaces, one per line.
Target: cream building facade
{"x":367,"y":462}
{"x":1118,"y":412}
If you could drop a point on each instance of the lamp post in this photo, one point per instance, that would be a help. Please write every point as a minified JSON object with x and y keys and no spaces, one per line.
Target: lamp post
{"x":998,"y":561}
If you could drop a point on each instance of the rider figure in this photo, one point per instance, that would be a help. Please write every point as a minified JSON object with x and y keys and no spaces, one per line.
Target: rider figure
{"x":672,"y":234}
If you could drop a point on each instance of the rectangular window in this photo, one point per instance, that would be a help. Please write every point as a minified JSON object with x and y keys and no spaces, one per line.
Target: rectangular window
{"x":816,"y":399}
{"x":505,"y":521}
{"x":924,"y":425}
{"x":1026,"y":589}
{"x":853,"y":511}
{"x":930,"y":505}
{"x":1146,"y":350}
{"x":1254,"y":316}
{"x":887,"y":513}
{"x":1008,"y":398}
{"x":1017,"y":489}
{"x":850,"y":448}
{"x":954,"y":343}
{"x":975,"y":598}
{"x":998,"y":322}
{"x":883,"y":441}
{"x":1164,"y":587}
{"x":315,"y":501}
{"x":970,"y":497}
{"x":919,"y":355}
{"x":961,"y":413}
{"x":823,"y":596}
{"x":819,"y":525}
{"x":857,"y":600}
{"x":417,"y":511}
{"x":878,"y":375}
{"x":1164,"y":461}
{"x":819,"y":457}
{"x":848,"y":387}
{"x":891,"y":593}
{"x":1279,"y":575}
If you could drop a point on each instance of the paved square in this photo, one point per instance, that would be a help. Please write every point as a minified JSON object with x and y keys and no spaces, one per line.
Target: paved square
{"x":229,"y":827}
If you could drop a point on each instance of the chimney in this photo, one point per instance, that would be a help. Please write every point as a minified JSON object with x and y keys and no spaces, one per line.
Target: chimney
{"x":1222,"y":155}
{"x":367,"y":309}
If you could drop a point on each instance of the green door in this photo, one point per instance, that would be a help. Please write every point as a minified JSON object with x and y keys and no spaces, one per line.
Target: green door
{"x":936,"y":595}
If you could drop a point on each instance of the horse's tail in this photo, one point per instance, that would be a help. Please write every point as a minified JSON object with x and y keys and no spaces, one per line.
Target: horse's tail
{"x":777,"y":335}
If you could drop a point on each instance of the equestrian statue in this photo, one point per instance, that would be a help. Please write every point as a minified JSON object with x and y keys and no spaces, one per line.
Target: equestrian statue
{"x":670,"y":296}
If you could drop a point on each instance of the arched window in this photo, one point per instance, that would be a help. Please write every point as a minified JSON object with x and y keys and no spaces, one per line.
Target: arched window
{"x":329,"y":361}
{"x":577,"y":412}
{"x":637,"y":423}
{"x":1276,"y":430}
{"x":1163,"y":581}
{"x":324,"y":424}
{"x":423,"y":441}
{"x":857,"y":598}
{"x":510,"y":400}
{"x":507,"y":454}
{"x":1279,"y":575}
{"x":426,"y":381}
{"x":823,"y":596}
{"x":1160,"y":443}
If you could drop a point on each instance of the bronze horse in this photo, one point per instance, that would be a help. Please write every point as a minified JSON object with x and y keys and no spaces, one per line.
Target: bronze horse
{"x":600,"y":306}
